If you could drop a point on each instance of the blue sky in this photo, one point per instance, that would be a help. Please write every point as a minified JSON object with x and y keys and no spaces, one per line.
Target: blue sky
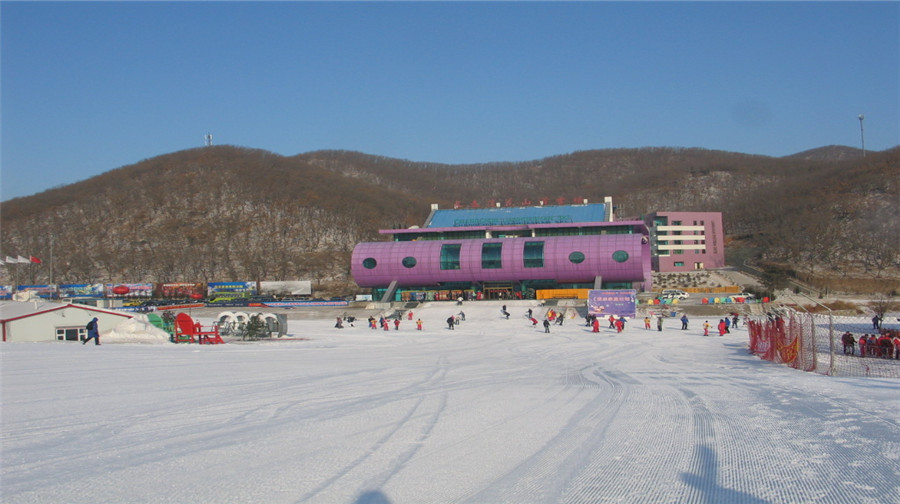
{"x":89,"y":87}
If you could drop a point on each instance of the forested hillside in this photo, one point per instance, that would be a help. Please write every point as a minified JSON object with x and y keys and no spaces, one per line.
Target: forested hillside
{"x":227,"y":213}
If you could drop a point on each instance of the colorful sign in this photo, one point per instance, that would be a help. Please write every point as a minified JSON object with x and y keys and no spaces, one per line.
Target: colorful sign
{"x":81,"y":291}
{"x":42,"y":291}
{"x":243,"y":288}
{"x":180,"y":289}
{"x":130,"y":290}
{"x":620,"y":302}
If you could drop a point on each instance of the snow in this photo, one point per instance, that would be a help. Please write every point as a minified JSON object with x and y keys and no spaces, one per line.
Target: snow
{"x":494,"y":411}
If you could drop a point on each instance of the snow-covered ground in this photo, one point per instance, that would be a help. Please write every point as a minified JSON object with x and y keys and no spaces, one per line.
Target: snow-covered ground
{"x":494,"y":411}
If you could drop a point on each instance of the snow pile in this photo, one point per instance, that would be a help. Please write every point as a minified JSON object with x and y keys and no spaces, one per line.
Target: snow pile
{"x":135,"y":330}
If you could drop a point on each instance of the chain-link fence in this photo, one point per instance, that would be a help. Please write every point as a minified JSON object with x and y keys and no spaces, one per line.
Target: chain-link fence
{"x":821,"y":343}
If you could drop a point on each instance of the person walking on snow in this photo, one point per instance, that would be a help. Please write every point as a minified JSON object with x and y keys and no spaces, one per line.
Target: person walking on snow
{"x":647,"y":323}
{"x":722,"y":328}
{"x":684,"y":322}
{"x":419,"y":324}
{"x":93,"y":331}
{"x":659,"y":323}
{"x":706,"y":328}
{"x":546,"y":325}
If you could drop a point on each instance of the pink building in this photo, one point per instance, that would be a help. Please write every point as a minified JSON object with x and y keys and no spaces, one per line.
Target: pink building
{"x":686,"y":241}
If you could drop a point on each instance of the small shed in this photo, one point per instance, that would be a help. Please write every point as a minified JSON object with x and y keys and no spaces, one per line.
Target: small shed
{"x":48,"y":321}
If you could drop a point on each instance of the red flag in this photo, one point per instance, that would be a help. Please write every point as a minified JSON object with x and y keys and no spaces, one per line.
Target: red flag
{"x":35,"y":260}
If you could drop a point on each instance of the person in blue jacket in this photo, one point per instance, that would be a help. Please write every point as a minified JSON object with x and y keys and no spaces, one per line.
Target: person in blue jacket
{"x":93,"y":332}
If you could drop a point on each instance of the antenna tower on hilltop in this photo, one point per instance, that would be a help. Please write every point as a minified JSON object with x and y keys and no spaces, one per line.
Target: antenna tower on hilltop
{"x":208,"y":139}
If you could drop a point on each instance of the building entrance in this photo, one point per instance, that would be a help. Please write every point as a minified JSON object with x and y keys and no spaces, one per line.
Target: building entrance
{"x":498,"y":290}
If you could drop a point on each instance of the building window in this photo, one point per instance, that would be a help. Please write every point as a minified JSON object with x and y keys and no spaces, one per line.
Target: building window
{"x":490,"y":255}
{"x":369,"y":263}
{"x":409,"y":262}
{"x":679,"y":264}
{"x":450,"y":257}
{"x":576,"y":257}
{"x":71,"y":333}
{"x":533,"y":256}
{"x":620,"y":256}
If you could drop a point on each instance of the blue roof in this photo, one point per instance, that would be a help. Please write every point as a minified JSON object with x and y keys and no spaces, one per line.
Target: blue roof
{"x":510,"y":216}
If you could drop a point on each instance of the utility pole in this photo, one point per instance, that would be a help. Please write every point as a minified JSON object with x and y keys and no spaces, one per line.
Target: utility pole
{"x":862,"y":134}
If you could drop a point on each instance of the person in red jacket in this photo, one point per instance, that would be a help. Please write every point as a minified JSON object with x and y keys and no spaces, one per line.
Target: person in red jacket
{"x":722,"y":328}
{"x":596,"y":324}
{"x":887,"y":346}
{"x":862,"y":345}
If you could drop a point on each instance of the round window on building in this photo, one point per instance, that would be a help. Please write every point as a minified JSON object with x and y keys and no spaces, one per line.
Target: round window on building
{"x":620,"y":256}
{"x":409,"y":262}
{"x":576,"y":257}
{"x":369,"y":263}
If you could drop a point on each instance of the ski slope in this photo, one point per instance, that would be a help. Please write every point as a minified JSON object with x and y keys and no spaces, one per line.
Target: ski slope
{"x":495,"y":411}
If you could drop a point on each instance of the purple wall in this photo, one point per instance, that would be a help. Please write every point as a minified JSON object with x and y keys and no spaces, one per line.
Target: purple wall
{"x":598,"y":251}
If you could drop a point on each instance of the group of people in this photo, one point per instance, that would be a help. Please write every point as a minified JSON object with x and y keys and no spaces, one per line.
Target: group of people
{"x":617,"y":323}
{"x":381,"y":321}
{"x":455,"y":320}
{"x":885,"y":345}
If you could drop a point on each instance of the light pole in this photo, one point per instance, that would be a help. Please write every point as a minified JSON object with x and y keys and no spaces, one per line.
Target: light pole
{"x":862,"y":134}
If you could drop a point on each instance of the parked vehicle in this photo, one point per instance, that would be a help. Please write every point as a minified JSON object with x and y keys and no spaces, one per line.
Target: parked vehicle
{"x":674,"y":294}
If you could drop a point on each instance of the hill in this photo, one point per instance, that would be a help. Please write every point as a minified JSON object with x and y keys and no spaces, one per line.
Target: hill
{"x":230,"y":213}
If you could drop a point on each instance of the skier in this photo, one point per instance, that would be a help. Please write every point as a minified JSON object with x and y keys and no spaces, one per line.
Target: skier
{"x":419,"y":324}
{"x":504,"y":312}
{"x":684,"y":322}
{"x":596,"y":324}
{"x":723,"y":328}
{"x":451,"y":321}
{"x":93,"y":331}
{"x":647,"y":323}
{"x":546,"y":325}
{"x":397,"y":324}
